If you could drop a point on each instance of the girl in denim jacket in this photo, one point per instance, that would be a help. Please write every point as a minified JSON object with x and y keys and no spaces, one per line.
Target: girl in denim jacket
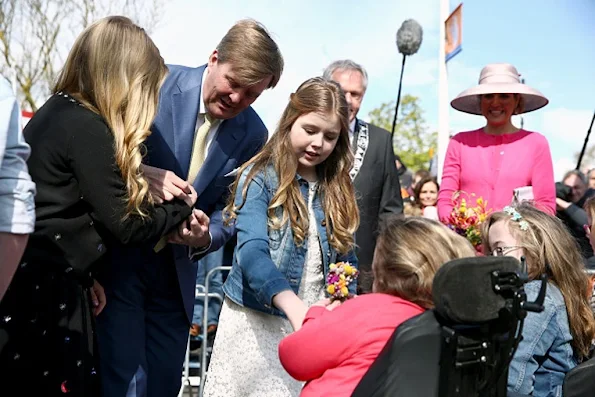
{"x":295,"y":213}
{"x":557,"y":339}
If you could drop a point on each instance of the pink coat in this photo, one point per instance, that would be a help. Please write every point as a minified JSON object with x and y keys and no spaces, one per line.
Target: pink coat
{"x":334,"y":349}
{"x":492,"y":166}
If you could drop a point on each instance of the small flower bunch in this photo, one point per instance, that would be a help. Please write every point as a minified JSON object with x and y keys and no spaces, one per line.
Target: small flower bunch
{"x":516,"y":217}
{"x":340,"y":275}
{"x":466,"y":220}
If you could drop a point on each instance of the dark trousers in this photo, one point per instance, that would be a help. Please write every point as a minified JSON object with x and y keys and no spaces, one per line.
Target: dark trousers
{"x":143,"y":330}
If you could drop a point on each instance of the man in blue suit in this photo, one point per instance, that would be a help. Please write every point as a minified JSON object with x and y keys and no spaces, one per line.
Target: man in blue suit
{"x":205,"y":129}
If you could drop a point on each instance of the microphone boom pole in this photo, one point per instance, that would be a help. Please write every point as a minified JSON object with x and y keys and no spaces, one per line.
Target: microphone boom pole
{"x":398,"y":98}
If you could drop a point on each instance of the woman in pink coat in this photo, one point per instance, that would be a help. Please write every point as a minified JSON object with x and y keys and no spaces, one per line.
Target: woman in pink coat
{"x":499,"y":160}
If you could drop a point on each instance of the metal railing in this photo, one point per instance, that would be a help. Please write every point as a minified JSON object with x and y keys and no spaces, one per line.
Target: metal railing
{"x":202,"y":291}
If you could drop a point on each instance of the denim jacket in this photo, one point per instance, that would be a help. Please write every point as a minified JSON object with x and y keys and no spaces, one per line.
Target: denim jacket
{"x":544,"y":355}
{"x":267,"y":261}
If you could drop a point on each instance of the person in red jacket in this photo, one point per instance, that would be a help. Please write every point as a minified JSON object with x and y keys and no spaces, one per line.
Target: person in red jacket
{"x":339,"y":342}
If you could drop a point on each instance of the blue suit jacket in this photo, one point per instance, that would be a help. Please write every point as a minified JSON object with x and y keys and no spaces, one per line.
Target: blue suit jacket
{"x":170,"y":147}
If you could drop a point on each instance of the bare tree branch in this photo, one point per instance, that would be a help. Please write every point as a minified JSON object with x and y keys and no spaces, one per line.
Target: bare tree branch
{"x":35,"y":36}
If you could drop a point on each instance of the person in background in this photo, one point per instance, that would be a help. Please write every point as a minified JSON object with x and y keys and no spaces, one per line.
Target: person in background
{"x":17,"y":191}
{"x":374,"y":174}
{"x":425,"y":197}
{"x":499,"y":159}
{"x":590,"y":267}
{"x":571,"y":195}
{"x":337,"y":343}
{"x":206,"y":264}
{"x":417,"y":176}
{"x":558,"y":338}
{"x":591,"y":178}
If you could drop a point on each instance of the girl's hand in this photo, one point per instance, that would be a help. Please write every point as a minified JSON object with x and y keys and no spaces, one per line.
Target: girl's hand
{"x":293,"y":307}
{"x":326,"y":303}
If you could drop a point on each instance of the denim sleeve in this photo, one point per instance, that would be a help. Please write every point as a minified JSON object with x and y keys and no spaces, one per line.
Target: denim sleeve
{"x":252,"y":252}
{"x":352,"y":259}
{"x":17,"y":191}
{"x":539,"y":334}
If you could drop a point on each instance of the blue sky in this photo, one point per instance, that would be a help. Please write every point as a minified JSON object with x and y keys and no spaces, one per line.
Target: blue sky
{"x":550,"y":42}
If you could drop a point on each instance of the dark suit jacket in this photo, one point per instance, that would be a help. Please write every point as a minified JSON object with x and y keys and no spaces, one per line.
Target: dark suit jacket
{"x":170,"y":147}
{"x":80,"y":191}
{"x":378,"y":192}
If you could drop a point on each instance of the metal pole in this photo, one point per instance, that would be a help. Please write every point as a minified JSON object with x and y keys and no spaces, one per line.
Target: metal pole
{"x":392,"y":134}
{"x":580,"y":157}
{"x":443,"y":102}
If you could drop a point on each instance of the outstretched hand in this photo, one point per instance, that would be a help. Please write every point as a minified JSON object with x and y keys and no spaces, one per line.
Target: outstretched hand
{"x":194,"y":232}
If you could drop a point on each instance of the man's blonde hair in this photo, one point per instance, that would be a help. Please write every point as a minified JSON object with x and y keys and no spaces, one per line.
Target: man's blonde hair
{"x":251,"y":52}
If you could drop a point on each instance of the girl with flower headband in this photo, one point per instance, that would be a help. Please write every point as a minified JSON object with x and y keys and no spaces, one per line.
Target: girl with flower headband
{"x":557,"y":339}
{"x":295,"y":213}
{"x":339,"y":342}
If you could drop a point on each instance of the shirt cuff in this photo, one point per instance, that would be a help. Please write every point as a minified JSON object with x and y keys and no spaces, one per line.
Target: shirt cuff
{"x":200,"y":251}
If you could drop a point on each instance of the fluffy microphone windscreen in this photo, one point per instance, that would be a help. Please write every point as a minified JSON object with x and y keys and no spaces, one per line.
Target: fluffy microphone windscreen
{"x":463,"y":290}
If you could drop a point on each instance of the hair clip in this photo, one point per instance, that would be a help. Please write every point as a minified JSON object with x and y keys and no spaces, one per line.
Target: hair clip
{"x":516,"y":217}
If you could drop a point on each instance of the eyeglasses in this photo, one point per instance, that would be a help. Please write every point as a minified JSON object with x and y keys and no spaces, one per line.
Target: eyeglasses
{"x":502,"y":251}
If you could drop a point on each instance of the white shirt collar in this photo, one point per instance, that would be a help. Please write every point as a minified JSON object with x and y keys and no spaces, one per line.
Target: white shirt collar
{"x":202,"y":109}
{"x":352,"y":125}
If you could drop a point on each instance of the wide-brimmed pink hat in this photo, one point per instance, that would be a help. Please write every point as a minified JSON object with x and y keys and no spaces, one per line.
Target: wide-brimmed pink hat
{"x":499,"y":78}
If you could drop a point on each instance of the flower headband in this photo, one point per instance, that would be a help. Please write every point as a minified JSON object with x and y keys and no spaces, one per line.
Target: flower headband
{"x":516,"y":217}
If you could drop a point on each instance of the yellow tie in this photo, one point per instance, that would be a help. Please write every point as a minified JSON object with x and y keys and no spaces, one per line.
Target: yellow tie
{"x":196,"y":161}
{"x":198,"y":149}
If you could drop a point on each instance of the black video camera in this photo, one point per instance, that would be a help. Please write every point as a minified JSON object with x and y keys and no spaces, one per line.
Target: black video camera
{"x":563,"y":192}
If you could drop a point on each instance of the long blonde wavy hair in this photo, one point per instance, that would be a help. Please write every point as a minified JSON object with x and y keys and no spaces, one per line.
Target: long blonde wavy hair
{"x":336,"y":189}
{"x":115,"y":70}
{"x":408,"y":254}
{"x":549,"y":248}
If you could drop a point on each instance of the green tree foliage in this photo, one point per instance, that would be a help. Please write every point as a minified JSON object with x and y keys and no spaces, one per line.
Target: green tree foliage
{"x":413,"y":142}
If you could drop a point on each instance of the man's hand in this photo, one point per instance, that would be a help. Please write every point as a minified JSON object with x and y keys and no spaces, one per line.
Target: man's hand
{"x":561,"y":205}
{"x":165,"y":185}
{"x":97,"y":297}
{"x":194,"y":232}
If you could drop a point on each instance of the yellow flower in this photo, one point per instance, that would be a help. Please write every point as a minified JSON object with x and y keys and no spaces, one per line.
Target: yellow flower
{"x":348,"y":270}
{"x":344,"y":291}
{"x":332,"y":266}
{"x":342,"y":276}
{"x":330,"y":289}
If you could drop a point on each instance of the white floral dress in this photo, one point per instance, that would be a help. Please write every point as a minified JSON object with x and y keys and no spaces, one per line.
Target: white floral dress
{"x":245,"y":360}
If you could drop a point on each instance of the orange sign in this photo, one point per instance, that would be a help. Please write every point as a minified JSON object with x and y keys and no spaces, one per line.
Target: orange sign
{"x":454,"y":32}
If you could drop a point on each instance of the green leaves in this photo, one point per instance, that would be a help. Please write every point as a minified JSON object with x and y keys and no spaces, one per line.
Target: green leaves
{"x":412,"y":141}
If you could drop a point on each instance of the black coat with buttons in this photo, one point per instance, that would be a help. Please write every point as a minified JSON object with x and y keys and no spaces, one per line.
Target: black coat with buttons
{"x":81,"y":197}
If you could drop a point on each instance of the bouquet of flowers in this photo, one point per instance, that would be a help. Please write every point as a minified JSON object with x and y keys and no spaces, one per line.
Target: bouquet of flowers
{"x":466,"y":220}
{"x":340,"y":275}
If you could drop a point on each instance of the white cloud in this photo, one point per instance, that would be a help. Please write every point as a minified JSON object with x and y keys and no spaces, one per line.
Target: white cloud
{"x":569,"y":125}
{"x":561,"y":166}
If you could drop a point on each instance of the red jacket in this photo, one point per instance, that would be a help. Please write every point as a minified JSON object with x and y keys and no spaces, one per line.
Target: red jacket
{"x":334,"y":349}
